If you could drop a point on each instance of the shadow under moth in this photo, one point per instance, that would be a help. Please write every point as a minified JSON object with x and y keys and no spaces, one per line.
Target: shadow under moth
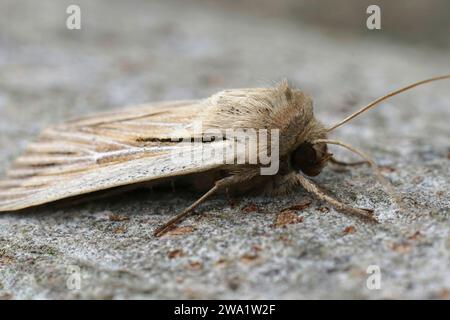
{"x":135,"y":147}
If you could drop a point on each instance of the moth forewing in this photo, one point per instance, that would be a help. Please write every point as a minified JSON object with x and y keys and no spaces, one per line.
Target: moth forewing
{"x":101,"y":152}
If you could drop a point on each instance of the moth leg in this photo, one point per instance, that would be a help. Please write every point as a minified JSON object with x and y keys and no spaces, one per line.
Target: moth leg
{"x":360,"y":212}
{"x":220,"y":184}
{"x":385,"y":182}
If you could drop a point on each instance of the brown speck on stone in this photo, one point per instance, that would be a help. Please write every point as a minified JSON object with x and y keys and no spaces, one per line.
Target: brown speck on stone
{"x":357,"y":272}
{"x":387,"y":169}
{"x":349,"y":230}
{"x":179,"y":279}
{"x":299,"y":206}
{"x":251,"y":207}
{"x":256,"y":248}
{"x":192,"y":294}
{"x":120,"y":230}
{"x":222,"y":262}
{"x":249,"y":257}
{"x":401,"y":247}
{"x":177,"y":231}
{"x":323,"y":209}
{"x":416,"y":236}
{"x":118,"y":217}
{"x":177,"y":253}
{"x":448,"y":154}
{"x":285,"y":239}
{"x":417,"y":179}
{"x":195,"y":265}
{"x":287,"y":217}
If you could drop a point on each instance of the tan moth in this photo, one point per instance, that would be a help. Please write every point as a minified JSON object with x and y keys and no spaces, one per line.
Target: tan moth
{"x":134,"y":147}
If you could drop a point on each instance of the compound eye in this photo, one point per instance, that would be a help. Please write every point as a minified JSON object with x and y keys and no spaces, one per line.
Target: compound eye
{"x":306,"y":154}
{"x":303,"y":157}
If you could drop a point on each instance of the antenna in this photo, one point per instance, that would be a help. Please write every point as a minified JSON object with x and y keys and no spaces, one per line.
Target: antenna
{"x":389,"y":95}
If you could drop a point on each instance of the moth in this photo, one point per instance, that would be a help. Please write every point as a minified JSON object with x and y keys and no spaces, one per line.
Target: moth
{"x":134,"y":147}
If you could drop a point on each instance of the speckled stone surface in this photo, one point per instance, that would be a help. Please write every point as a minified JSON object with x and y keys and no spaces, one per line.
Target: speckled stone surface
{"x":180,"y":50}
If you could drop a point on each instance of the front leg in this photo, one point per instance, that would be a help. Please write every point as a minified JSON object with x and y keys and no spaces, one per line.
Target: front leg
{"x":282,"y":185}
{"x":311,"y":187}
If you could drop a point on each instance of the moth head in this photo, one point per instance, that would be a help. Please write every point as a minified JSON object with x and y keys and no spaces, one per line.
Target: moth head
{"x":310,"y":158}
